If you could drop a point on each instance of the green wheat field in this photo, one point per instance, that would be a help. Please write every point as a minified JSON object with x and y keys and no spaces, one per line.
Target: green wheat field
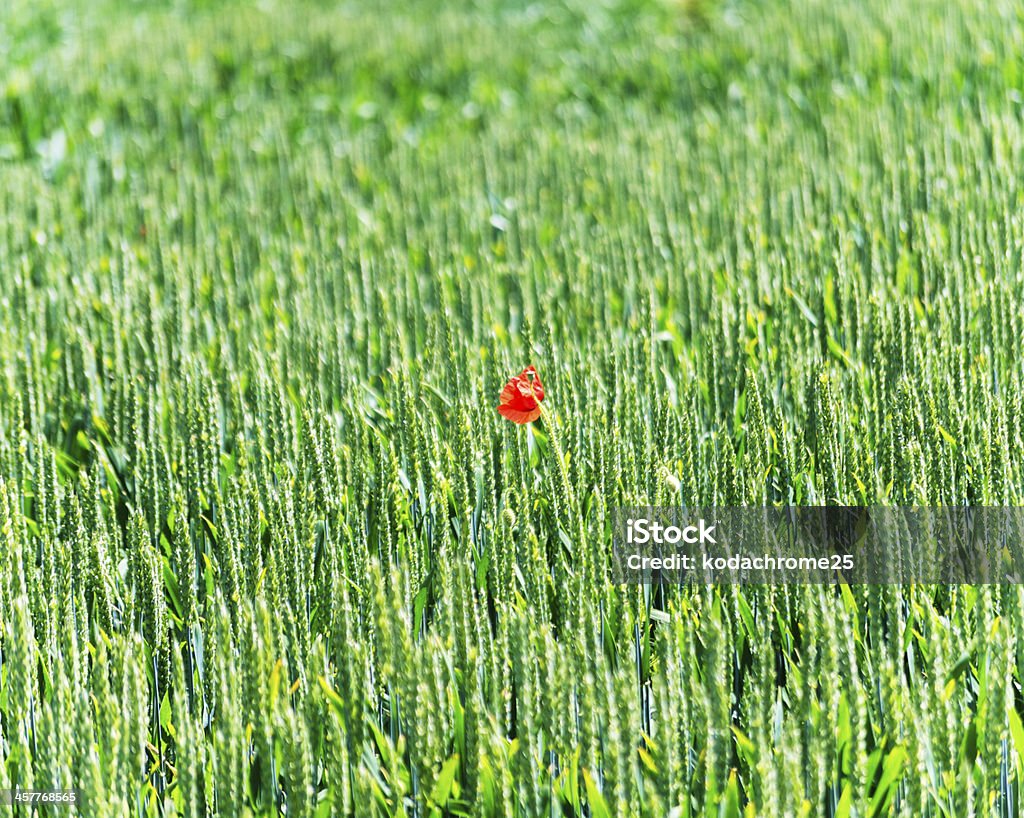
{"x":266,"y":546}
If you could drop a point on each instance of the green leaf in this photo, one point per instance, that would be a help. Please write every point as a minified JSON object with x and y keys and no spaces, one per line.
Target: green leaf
{"x":1017,"y":733}
{"x":745,"y":748}
{"x":445,"y":781}
{"x":845,"y":803}
{"x":598,"y":806}
{"x":332,"y":695}
{"x":730,"y":805}
{"x":165,"y":716}
{"x":892,"y":770}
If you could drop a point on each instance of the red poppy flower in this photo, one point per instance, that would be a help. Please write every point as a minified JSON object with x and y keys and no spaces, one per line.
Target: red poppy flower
{"x":521,"y":397}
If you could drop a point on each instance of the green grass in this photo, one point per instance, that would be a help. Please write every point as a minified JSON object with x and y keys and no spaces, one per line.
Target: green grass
{"x":266,"y":547}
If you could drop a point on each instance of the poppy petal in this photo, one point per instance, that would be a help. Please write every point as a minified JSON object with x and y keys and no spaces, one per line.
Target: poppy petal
{"x":519,"y":415}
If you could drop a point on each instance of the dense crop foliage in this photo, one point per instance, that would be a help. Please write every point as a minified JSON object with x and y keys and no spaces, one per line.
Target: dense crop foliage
{"x":267,"y":547}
